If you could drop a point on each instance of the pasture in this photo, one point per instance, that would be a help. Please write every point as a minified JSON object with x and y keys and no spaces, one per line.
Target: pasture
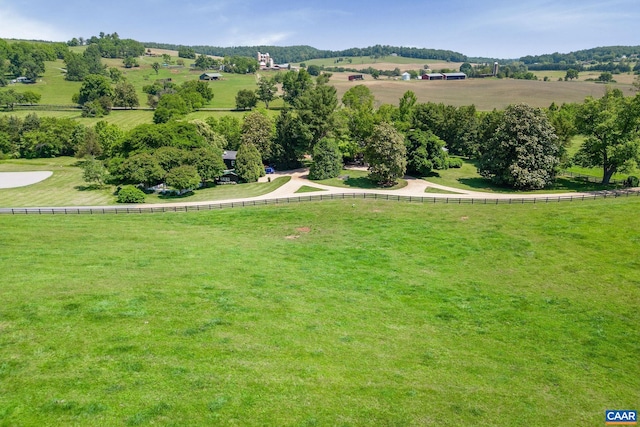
{"x":334,"y":313}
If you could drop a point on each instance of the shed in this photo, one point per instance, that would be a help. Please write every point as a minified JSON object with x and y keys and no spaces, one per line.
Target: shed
{"x":406,"y":76}
{"x":356,"y":77}
{"x":210,"y":76}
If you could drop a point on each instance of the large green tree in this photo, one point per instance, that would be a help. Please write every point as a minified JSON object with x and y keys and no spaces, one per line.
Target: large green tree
{"x":249,"y":165}
{"x":386,"y":154}
{"x":524,"y":153}
{"x":425,"y":152}
{"x":258,"y":130}
{"x":183,"y":178}
{"x":267,"y":91}
{"x":327,"y":160}
{"x":612,"y":128}
{"x":125,"y":95}
{"x":246,"y":99}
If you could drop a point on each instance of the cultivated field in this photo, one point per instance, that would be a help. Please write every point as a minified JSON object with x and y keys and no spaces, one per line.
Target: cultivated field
{"x":338,"y":313}
{"x":485,"y":94}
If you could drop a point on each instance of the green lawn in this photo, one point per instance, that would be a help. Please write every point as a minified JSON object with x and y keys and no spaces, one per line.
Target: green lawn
{"x":308,"y":189}
{"x":468,"y":178}
{"x":352,"y":178}
{"x":67,"y":188}
{"x":336,"y":313}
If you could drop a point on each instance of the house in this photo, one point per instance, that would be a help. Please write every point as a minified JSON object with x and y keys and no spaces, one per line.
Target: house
{"x":354,"y":77}
{"x":406,"y":76}
{"x":229,"y":159}
{"x":210,"y":76}
{"x":23,"y":80}
{"x":228,"y":177}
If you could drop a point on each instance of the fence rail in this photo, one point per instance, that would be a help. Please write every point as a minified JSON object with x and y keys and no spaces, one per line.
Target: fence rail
{"x":130,"y":209}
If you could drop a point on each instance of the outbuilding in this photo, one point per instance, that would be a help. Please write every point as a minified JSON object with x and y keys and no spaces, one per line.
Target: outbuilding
{"x":210,"y":76}
{"x":433,"y":76}
{"x":406,"y":76}
{"x":354,"y":77}
{"x":455,"y":76}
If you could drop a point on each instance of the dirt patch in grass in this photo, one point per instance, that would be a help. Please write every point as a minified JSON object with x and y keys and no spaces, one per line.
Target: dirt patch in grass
{"x":303,"y":229}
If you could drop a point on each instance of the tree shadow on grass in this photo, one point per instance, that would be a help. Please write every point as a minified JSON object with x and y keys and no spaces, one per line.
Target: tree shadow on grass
{"x":91,"y":187}
{"x":580,"y":184}
{"x":175,"y":196}
{"x":483,"y":184}
{"x":361,"y":182}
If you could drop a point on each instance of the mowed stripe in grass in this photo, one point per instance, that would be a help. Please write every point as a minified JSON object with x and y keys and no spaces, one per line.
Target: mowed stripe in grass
{"x":365,"y":313}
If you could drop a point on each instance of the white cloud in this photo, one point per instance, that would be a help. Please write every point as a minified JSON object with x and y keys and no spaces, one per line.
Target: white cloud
{"x":15,"y":26}
{"x":241,"y":38}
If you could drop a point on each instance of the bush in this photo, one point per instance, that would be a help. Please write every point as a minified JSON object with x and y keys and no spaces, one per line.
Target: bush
{"x":632,"y":181}
{"x":454,"y":162}
{"x":130,"y":194}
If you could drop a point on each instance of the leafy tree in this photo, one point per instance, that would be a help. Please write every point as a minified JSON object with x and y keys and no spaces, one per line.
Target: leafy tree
{"x":93,"y":171}
{"x":166,"y":58}
{"x":257,"y":130}
{"x":524,"y":151}
{"x":170,"y":157}
{"x":249,"y":165}
{"x":156,"y":67}
{"x":130,"y":194}
{"x":9,"y":98}
{"x":130,"y":62}
{"x":246,"y":99}
{"x":327,"y":160}
{"x":183,"y":178}
{"x":316,"y":109}
{"x":386,"y":154}
{"x":203,"y":62}
{"x":294,"y":84}
{"x":605,"y":77}
{"x":208,"y":162}
{"x":170,"y":106}
{"x":612,"y":127}
{"x":267,"y":91}
{"x":93,"y":58}
{"x":230,"y":127}
{"x":116,"y":75}
{"x":89,"y":146}
{"x":125,"y":95}
{"x":425,"y":152}
{"x":198,"y":86}
{"x":109,"y":136}
{"x":186,"y":52}
{"x":313,"y":70}
{"x":571,"y":74}
{"x":291,"y":140}
{"x":76,"y":67}
{"x":142,"y":168}
{"x":94,"y":87}
{"x":359,"y":113}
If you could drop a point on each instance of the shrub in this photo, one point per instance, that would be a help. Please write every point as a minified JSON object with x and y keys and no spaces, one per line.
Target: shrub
{"x":454,"y":162}
{"x":632,"y":181}
{"x":130,"y":194}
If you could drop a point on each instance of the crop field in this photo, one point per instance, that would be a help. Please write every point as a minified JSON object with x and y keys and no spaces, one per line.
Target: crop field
{"x":337,"y":313}
{"x":485,"y":94}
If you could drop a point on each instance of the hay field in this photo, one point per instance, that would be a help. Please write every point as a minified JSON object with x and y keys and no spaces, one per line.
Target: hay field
{"x":485,"y":94}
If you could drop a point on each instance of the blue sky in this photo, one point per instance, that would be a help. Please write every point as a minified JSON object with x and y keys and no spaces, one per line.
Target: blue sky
{"x":503,"y":29}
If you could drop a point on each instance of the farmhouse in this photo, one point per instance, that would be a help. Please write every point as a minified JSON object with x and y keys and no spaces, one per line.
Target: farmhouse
{"x":210,"y":76}
{"x":228,"y":177}
{"x":354,"y":77}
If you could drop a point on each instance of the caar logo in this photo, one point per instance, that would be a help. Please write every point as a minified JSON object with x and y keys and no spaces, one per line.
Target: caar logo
{"x":620,"y":418}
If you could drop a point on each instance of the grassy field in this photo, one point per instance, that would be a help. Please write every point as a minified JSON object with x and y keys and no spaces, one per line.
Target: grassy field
{"x":386,"y":63}
{"x":67,"y":188}
{"x":382,"y":313}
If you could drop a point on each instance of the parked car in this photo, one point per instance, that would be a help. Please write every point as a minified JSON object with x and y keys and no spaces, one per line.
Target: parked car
{"x":269,"y":169}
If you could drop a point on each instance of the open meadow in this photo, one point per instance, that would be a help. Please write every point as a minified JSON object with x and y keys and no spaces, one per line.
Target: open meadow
{"x":336,"y":313}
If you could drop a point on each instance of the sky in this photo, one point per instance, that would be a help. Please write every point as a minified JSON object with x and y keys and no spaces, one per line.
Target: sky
{"x":494,"y":29}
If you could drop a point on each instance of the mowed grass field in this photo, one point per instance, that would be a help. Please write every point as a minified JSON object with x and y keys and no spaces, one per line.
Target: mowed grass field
{"x":339,"y":313}
{"x":67,"y":188}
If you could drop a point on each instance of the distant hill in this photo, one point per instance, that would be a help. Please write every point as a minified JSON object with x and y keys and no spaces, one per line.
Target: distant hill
{"x":288,"y":54}
{"x":597,"y":54}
